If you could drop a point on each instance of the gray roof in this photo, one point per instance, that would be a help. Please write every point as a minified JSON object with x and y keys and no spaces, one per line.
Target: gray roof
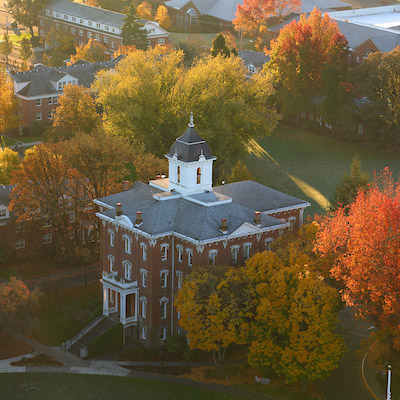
{"x":199,"y":222}
{"x":5,"y":191}
{"x":190,"y":146}
{"x":258,"y":59}
{"x":324,"y":5}
{"x":41,"y":76}
{"x":79,"y":10}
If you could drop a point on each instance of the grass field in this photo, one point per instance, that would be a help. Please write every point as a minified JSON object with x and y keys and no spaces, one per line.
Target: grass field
{"x":35,"y":386}
{"x":309,"y":166}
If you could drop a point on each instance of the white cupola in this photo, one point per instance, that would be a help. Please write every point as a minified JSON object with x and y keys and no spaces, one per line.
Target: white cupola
{"x":190,"y":163}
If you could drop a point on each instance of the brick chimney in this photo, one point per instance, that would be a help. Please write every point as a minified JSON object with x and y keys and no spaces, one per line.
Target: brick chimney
{"x":119,"y":209}
{"x":224,"y":226}
{"x":126,"y":185}
{"x":257,"y":218}
{"x":139,"y":220}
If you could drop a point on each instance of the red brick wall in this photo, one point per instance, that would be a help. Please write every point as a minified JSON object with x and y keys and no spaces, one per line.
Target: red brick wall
{"x":28,"y":110}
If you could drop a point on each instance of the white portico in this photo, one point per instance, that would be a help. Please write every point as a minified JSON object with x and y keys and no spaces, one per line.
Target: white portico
{"x":120,"y":296}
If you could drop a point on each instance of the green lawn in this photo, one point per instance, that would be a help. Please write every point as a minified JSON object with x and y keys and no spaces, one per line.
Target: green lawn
{"x":35,"y":386}
{"x":15,"y":39}
{"x":309,"y":166}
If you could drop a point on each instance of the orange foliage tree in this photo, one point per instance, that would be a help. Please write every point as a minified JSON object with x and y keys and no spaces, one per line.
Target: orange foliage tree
{"x":162,"y":17}
{"x":364,"y":239}
{"x":145,"y":11}
{"x":309,"y":57}
{"x":91,"y":51}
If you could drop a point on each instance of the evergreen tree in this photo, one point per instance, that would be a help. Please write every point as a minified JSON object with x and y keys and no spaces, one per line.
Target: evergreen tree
{"x":6,"y":47}
{"x":219,"y":46}
{"x":346,"y":192}
{"x":132,"y":32}
{"x":25,"y":50}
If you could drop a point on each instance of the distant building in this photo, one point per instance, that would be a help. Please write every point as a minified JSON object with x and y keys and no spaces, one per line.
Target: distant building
{"x":152,"y":235}
{"x":84,"y":22}
{"x":38,"y":90}
{"x":253,"y":60}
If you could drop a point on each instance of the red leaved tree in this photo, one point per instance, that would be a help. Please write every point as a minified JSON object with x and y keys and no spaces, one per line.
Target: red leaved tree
{"x":365,"y":241}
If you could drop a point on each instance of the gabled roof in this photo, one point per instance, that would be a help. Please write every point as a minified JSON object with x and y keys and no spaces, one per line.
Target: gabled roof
{"x":258,"y":59}
{"x":5,"y":191}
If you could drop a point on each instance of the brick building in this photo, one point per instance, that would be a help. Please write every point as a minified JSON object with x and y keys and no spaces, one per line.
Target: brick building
{"x":84,"y":22}
{"x":152,"y":235}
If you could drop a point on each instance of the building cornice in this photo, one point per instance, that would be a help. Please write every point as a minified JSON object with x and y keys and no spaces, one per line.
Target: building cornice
{"x":285,"y":209}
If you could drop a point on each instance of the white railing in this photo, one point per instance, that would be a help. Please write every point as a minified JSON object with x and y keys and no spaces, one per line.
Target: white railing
{"x":69,"y":343}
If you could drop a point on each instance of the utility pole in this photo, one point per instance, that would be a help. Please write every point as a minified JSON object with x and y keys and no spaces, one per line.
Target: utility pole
{"x":389,"y":395}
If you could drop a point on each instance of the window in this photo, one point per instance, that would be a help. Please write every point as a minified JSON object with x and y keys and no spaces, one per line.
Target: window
{"x":148,"y":43}
{"x":178,"y":171}
{"x":82,"y":21}
{"x":246,"y":250}
{"x":112,"y":45}
{"x":111,"y":237}
{"x":42,"y":22}
{"x":179,"y":275}
{"x":90,"y":23}
{"x":360,"y":129}
{"x":128,"y":269}
{"x":65,"y":27}
{"x":234,"y":253}
{"x":144,"y":251}
{"x":143,"y":305}
{"x":143,"y":273}
{"x":97,"y":37}
{"x":73,"y":31}
{"x":164,"y":278}
{"x":47,"y":238}
{"x":66,"y":17}
{"x":179,"y":315}
{"x":59,"y":86}
{"x":212,"y":255}
{"x":113,"y":29}
{"x":367,"y":53}
{"x":163,"y":334}
{"x":71,"y":217}
{"x":38,"y":102}
{"x":190,"y":256}
{"x":89,"y":35}
{"x":268,"y":243}
{"x":161,"y":41}
{"x":106,"y":27}
{"x":180,"y":252}
{"x":143,"y":334}
{"x":48,"y":12}
{"x":98,"y":26}
{"x":20,"y":244}
{"x":3,"y":212}
{"x":291,"y":221}
{"x":50,"y":101}
{"x":38,"y":116}
{"x":163,"y":306}
{"x":47,"y":223}
{"x":50,"y":115}
{"x":58,"y":15}
{"x":19,"y":227}
{"x":164,"y":251}
{"x":73,"y":19}
{"x":251,"y":68}
{"x":127,"y":244}
{"x":80,"y":32}
{"x":55,"y":100}
{"x":152,"y":30}
{"x":198,"y":176}
{"x":111,"y":262}
{"x":105,"y":39}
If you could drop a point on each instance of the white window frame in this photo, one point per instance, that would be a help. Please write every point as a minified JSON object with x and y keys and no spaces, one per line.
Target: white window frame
{"x":111,"y":260}
{"x":3,"y":212}
{"x":268,"y":243}
{"x":55,"y":100}
{"x":20,"y":227}
{"x":143,"y":306}
{"x":189,"y":253}
{"x":164,"y":251}
{"x":143,"y":274}
{"x":73,"y":31}
{"x":163,"y":304}
{"x":47,"y":238}
{"x":235,"y":253}
{"x":105,"y":39}
{"x":89,"y":35}
{"x":161,"y":41}
{"x":291,"y":221}
{"x":20,"y":244}
{"x":80,"y":32}
{"x":163,"y":334}
{"x":179,"y":247}
{"x":179,"y":279}
{"x":127,"y":244}
{"x":38,"y":116}
{"x":247,"y":250}
{"x":97,"y":37}
{"x":164,"y":278}
{"x":212,"y":256}
{"x":143,"y":246}
{"x":111,"y":237}
{"x":50,"y":101}
{"x":127,"y":269}
{"x":143,"y":334}
{"x":179,"y":315}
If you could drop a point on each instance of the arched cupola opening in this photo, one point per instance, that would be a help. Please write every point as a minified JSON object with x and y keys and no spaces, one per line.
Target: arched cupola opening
{"x":198,"y":176}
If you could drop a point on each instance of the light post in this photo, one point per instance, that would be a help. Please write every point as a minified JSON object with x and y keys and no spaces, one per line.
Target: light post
{"x":389,"y":395}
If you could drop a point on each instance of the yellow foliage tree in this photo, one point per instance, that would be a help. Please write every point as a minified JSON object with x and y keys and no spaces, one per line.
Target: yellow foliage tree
{"x":148,"y":166}
{"x":145,"y":11}
{"x":9,"y":161}
{"x":210,"y":303}
{"x":162,"y":17}
{"x":8,"y":102}
{"x":240,"y":173}
{"x":91,"y":51}
{"x":295,"y":314}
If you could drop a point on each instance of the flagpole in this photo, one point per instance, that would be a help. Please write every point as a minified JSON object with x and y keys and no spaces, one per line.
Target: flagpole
{"x":388,"y":396}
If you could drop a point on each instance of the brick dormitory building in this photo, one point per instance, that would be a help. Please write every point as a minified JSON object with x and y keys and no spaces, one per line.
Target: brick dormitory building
{"x":153,"y":235}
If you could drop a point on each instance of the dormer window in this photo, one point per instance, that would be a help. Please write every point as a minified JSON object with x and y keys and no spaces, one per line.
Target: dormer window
{"x":178,"y":171}
{"x":198,"y":176}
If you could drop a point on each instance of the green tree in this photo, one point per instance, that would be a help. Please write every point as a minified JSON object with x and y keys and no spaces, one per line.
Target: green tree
{"x":61,"y":45}
{"x":26,"y":12}
{"x":26,"y":49}
{"x":133,"y":32}
{"x":347,"y":190}
{"x":6,"y":47}
{"x":240,"y":173}
{"x":9,"y":161}
{"x":294,"y":316}
{"x":219,"y":46}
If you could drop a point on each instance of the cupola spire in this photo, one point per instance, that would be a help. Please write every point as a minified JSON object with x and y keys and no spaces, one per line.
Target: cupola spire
{"x":191,"y":123}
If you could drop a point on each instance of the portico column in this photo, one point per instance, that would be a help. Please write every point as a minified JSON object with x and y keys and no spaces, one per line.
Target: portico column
{"x":301,"y":217}
{"x":123,"y":308}
{"x":105,"y":301}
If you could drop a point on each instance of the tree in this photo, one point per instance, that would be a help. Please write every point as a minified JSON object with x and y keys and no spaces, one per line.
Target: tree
{"x":240,"y":173}
{"x":210,"y":304}
{"x":26,"y":49}
{"x":47,"y":189}
{"x":76,"y":113}
{"x":148,"y":98}
{"x":133,"y":32}
{"x":6,"y":47}
{"x":9,"y":161}
{"x":292,"y":320}
{"x":308,"y":58}
{"x":347,"y":190}
{"x":149,"y":166}
{"x":378,"y":78}
{"x":145,"y":11}
{"x":8,"y":102}
{"x":254,"y":16}
{"x":91,"y":51}
{"x":162,"y":17}
{"x":230,"y":41}
{"x":364,"y":240}
{"x":26,"y":12}
{"x":219,"y":47}
{"x":61,"y":45}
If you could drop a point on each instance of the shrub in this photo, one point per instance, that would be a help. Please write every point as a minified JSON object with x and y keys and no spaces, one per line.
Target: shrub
{"x":109,"y":341}
{"x":139,"y":353}
{"x":192,"y":355}
{"x":176,"y":344}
